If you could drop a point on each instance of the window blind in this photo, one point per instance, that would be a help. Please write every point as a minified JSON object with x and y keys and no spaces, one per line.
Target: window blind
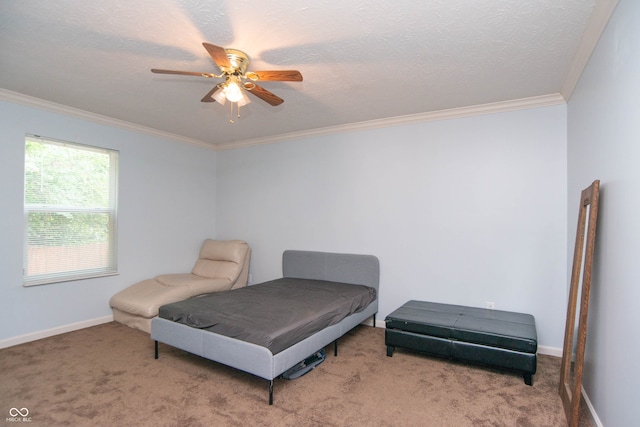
{"x":70,"y":208}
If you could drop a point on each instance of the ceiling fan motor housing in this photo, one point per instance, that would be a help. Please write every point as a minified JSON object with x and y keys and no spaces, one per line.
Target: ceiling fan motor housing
{"x":238,"y":61}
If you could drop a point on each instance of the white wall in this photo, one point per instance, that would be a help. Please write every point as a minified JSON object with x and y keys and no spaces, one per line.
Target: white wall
{"x":604,"y":143}
{"x":166,"y":209}
{"x":460,"y":211}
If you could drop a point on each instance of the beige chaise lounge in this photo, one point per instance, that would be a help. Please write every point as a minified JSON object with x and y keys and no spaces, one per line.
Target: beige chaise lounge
{"x":222,"y":265}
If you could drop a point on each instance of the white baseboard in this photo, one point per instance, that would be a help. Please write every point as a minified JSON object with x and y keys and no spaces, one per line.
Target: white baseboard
{"x":550,"y":351}
{"x":21,"y":339}
{"x":592,"y":410}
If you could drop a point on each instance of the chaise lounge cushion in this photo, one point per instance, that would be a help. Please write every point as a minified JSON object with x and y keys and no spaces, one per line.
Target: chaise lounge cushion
{"x":221,"y":266}
{"x":221,"y":260}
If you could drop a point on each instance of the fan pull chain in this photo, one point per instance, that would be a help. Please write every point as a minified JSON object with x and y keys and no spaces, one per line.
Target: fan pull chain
{"x":231,"y":113}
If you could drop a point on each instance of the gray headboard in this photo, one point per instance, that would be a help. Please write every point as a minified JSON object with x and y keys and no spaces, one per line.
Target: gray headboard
{"x":345,"y":268}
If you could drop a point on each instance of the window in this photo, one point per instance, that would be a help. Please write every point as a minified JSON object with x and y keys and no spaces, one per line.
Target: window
{"x":70,"y":209}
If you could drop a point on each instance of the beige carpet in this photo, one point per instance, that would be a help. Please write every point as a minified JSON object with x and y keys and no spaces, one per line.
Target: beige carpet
{"x":106,"y":376}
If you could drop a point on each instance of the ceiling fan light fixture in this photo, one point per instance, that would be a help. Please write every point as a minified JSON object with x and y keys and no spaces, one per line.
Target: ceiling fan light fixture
{"x":219,"y":96}
{"x":232,"y":91}
{"x":244,"y":100}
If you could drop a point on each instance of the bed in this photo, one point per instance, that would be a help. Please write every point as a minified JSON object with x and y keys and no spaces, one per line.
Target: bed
{"x":194,"y":326}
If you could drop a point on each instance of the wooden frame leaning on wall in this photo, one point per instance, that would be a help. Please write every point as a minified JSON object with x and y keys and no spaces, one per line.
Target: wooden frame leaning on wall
{"x":575,"y":335}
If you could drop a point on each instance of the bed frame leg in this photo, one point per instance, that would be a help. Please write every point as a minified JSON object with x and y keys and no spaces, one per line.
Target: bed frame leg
{"x":270,"y":392}
{"x":156,"y":345}
{"x":335,"y":347}
{"x":374,"y":320}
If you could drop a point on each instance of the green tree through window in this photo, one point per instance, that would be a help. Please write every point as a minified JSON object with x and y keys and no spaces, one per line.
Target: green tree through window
{"x":70,"y":211}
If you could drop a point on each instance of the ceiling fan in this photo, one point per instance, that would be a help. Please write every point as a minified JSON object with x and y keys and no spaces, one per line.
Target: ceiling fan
{"x":233,"y":66}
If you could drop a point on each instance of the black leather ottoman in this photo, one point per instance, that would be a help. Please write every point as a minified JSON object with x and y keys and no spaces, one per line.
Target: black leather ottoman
{"x":493,"y":338}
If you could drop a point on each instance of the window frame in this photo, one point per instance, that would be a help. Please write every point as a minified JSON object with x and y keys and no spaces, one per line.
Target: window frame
{"x":111,"y":266}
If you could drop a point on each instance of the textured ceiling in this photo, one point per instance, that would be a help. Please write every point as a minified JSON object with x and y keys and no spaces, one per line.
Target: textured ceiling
{"x":362,"y":60}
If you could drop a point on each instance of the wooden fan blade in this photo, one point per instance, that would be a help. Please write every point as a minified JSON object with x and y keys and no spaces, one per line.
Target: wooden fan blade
{"x":183,"y":73}
{"x":218,"y":54}
{"x":209,"y":96}
{"x":280,"y":75}
{"x":263,"y":94}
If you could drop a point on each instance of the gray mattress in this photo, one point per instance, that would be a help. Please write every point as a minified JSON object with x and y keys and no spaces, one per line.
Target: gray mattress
{"x":275,"y":314}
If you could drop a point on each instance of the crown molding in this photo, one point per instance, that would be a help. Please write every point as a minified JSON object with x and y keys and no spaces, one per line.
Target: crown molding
{"x":53,"y":107}
{"x":453,"y":113}
{"x":603,"y":9}
{"x":595,"y":26}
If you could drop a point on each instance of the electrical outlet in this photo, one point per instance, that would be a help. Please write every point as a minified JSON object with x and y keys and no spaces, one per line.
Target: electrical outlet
{"x":491,"y":305}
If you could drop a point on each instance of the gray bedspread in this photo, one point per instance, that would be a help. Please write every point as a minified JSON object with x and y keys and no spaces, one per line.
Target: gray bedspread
{"x":274,"y":314}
